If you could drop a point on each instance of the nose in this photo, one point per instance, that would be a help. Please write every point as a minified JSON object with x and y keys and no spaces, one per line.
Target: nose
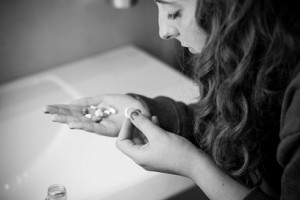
{"x":167,"y":30}
{"x":169,"y":33}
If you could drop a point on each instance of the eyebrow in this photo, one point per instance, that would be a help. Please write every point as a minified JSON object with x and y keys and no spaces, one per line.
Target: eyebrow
{"x":163,"y":2}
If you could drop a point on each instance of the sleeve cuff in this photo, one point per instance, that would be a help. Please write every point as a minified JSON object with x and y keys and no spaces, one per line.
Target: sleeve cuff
{"x":175,"y":117}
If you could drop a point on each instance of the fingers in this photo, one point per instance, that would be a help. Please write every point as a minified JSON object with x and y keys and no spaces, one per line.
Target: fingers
{"x":63,"y":109}
{"x":66,"y":119}
{"x":125,"y":142}
{"x":51,"y":109}
{"x":126,"y":129}
{"x":145,"y":125}
{"x":143,"y":138}
{"x":92,"y":127}
{"x":88,"y":101}
{"x":82,"y":125}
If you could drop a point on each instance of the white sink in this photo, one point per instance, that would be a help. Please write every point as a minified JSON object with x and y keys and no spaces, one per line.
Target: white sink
{"x":25,"y":132}
{"x":36,"y":153}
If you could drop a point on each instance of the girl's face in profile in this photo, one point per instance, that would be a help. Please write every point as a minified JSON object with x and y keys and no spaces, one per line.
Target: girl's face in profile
{"x":176,"y":19}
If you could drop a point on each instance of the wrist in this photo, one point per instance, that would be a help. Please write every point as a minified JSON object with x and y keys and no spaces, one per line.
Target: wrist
{"x":198,"y":161}
{"x":213,"y":181}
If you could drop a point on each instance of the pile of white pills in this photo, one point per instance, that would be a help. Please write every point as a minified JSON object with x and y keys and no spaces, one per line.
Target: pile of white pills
{"x":97,"y":113}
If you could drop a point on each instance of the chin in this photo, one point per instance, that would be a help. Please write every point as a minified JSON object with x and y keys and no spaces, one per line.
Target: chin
{"x":193,"y":51}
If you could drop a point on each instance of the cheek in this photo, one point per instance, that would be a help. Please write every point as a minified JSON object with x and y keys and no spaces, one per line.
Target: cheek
{"x":196,"y":37}
{"x":199,"y":45}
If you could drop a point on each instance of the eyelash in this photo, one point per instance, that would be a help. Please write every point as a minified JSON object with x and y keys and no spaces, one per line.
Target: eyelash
{"x":174,"y":16}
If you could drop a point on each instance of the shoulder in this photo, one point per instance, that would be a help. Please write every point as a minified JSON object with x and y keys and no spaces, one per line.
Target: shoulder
{"x":291,"y":93}
{"x":288,"y":152}
{"x":290,"y":116}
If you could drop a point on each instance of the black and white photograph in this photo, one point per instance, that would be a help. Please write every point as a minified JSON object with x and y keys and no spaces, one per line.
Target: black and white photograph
{"x":149,"y":100}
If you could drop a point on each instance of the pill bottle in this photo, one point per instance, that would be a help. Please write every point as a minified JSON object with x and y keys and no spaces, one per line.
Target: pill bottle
{"x":57,"y":192}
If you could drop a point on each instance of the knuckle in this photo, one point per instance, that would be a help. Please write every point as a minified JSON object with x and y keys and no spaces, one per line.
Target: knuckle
{"x":143,"y":162}
{"x":117,"y":144}
{"x":140,"y":162}
{"x":147,"y":167}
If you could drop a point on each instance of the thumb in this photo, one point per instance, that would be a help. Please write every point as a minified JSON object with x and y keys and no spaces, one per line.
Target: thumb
{"x":124,"y":141}
{"x":125,"y":131}
{"x":144,"y":124}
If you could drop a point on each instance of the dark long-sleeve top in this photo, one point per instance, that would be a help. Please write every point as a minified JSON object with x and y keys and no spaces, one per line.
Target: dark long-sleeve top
{"x":283,"y":165}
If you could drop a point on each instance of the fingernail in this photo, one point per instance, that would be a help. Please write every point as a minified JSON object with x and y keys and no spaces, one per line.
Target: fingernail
{"x":130,"y":110}
{"x":134,"y":114}
{"x":53,"y":117}
{"x":71,"y":126}
{"x":45,"y":109}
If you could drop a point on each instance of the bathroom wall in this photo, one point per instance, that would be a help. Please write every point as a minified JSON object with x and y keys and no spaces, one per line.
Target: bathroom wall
{"x":36,"y":35}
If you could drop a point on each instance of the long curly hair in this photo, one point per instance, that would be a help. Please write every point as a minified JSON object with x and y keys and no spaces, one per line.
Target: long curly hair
{"x":242,"y":73}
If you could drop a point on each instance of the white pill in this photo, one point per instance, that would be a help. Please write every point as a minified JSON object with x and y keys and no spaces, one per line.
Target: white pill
{"x":93,"y":107}
{"x":105,"y":115}
{"x":126,"y":112}
{"x":112,"y":110}
{"x":88,"y":116}
{"x":107,"y":112}
{"x":99,"y":113}
{"x":129,"y":110}
{"x":96,"y":119}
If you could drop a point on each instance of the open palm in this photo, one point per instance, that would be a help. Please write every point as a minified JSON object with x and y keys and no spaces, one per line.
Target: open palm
{"x":72,"y":114}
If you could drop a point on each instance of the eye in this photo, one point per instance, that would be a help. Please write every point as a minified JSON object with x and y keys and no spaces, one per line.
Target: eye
{"x":175,"y":15}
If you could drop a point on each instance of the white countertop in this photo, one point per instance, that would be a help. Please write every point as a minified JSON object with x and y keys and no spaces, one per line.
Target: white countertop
{"x":90,"y":166}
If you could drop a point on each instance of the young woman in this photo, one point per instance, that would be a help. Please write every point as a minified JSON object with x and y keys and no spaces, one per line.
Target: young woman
{"x":241,"y":139}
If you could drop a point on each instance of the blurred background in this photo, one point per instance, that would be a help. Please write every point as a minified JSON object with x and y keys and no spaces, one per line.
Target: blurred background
{"x":36,"y":35}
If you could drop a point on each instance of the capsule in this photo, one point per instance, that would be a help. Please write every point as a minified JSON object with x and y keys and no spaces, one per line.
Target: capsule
{"x":99,"y":113}
{"x":112,"y":110}
{"x":107,"y":112}
{"x":97,"y":119}
{"x":126,"y":112}
{"x":88,"y":116}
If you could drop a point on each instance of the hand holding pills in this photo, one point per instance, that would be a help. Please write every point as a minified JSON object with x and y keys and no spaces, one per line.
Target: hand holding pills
{"x":101,"y":114}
